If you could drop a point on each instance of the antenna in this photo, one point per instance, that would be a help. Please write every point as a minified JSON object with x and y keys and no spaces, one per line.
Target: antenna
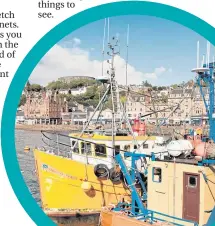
{"x":203,"y":60}
{"x":208,"y":53}
{"x":213,"y":62}
{"x":206,"y":57}
{"x":198,"y":54}
{"x":108,"y":31}
{"x":103,"y":49}
{"x":127,"y":57}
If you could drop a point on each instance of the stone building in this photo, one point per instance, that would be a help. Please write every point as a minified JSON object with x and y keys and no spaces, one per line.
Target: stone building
{"x":191,"y":106}
{"x":45,"y":107}
{"x":135,"y":106}
{"x":182,"y":101}
{"x":159,"y":110}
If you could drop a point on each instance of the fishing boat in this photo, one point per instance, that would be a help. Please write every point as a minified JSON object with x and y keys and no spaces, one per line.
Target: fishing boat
{"x":180,"y":191}
{"x":79,"y":177}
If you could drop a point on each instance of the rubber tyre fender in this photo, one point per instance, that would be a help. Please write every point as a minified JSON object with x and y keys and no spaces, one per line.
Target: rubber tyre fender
{"x":115,"y":176}
{"x":104,"y":174}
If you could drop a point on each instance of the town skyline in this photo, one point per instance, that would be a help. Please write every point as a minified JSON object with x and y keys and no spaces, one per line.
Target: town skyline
{"x":160,"y":51}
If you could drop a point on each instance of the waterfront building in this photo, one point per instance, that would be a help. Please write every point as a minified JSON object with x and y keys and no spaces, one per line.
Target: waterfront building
{"x":20,"y":118}
{"x":45,"y":107}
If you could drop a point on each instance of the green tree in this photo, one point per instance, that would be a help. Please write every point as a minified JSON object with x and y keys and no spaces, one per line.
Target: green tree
{"x":22,"y":100}
{"x":146,"y":84}
{"x":36,"y":87}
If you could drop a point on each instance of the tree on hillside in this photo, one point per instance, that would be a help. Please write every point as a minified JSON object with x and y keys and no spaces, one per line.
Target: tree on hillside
{"x":174,"y":86}
{"x":35,"y":87}
{"x":22,"y":100}
{"x":57,"y":85}
{"x":155,"y":88}
{"x":146,"y":84}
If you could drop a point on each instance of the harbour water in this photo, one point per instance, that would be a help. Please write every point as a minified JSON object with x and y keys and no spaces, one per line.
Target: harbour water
{"x":34,"y":139}
{"x":26,"y":160}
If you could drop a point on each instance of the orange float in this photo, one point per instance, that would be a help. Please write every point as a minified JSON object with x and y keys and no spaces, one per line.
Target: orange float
{"x":201,"y":149}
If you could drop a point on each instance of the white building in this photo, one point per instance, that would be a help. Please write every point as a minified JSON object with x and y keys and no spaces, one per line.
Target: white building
{"x":20,"y":118}
{"x":78,"y":91}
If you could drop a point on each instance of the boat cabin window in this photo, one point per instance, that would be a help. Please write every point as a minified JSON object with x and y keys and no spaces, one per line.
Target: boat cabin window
{"x":86,"y":148}
{"x":127,"y":148}
{"x":75,"y":150}
{"x":135,"y":147}
{"x":117,"y":149}
{"x":100,"y":150}
{"x":192,"y":181}
{"x":157,"y":174}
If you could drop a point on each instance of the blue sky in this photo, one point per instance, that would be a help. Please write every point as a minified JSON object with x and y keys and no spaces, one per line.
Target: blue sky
{"x":154,"y":44}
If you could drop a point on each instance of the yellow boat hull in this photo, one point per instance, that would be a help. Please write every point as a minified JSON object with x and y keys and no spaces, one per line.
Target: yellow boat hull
{"x":69,"y":185}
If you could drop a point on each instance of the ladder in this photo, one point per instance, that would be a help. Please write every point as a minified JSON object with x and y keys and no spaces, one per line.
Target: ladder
{"x":136,"y":198}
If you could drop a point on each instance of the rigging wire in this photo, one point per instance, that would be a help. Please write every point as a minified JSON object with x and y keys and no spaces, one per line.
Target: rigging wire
{"x":126,"y":69}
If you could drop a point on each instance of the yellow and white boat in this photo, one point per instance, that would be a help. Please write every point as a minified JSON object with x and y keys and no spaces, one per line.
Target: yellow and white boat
{"x":85,"y":177}
{"x":86,"y":180}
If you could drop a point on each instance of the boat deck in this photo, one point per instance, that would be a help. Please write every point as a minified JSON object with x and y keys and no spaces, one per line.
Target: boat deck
{"x":109,"y":218}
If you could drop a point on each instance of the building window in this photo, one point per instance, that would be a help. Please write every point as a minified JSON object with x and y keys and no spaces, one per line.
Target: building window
{"x":86,"y":148}
{"x":157,"y":174}
{"x":145,"y":146}
{"x":100,"y":150}
{"x":192,"y":181}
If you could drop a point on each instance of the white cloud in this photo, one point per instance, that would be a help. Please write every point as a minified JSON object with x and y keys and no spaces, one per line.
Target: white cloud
{"x":76,"y":42}
{"x":73,"y":43}
{"x":157,"y":72}
{"x":63,"y":61}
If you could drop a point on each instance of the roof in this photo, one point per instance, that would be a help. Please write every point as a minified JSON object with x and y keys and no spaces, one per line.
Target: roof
{"x":20,"y":113}
{"x":71,"y":104}
{"x":188,"y":91}
{"x":90,"y":109}
{"x":109,"y":138}
{"x":177,"y":91}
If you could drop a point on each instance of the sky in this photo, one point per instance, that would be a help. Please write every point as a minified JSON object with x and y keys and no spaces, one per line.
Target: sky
{"x":159,"y":51}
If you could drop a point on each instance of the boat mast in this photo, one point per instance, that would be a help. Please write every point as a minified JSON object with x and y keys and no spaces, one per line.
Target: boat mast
{"x":126,"y":67}
{"x":113,"y":86}
{"x":103,"y":49}
{"x":126,"y":71}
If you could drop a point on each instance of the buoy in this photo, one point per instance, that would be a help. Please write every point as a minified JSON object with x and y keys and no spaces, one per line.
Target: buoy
{"x":201,"y":149}
{"x":26,"y":149}
{"x":86,"y":186}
